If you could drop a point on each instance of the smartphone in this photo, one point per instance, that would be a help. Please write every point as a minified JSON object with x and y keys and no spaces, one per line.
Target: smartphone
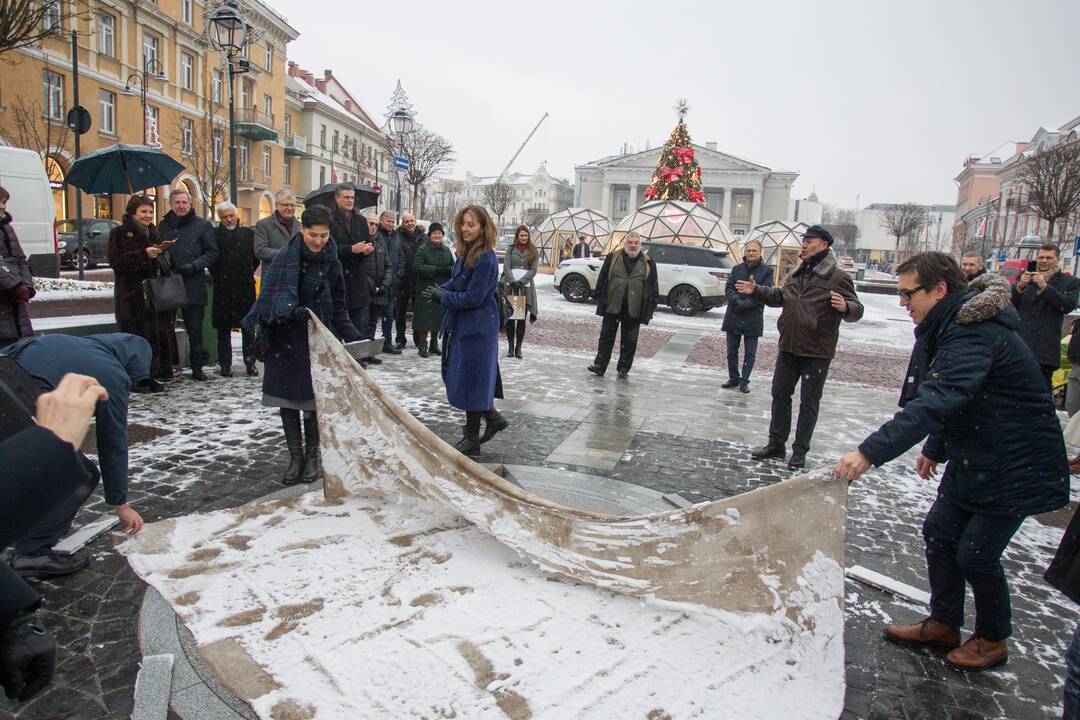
{"x":1033,"y":266}
{"x":165,"y":244}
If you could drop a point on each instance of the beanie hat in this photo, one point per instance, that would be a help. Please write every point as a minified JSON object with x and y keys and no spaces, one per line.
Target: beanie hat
{"x":435,"y":227}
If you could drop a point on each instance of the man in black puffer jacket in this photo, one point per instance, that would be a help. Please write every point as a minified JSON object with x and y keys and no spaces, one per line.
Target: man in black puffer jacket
{"x":975,"y":388}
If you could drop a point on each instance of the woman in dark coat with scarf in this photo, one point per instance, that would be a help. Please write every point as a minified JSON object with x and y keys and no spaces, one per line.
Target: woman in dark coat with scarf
{"x":135,"y":254}
{"x":431,"y":266}
{"x":234,"y":286}
{"x":16,"y":282}
{"x":470,"y":328}
{"x":305,"y":277}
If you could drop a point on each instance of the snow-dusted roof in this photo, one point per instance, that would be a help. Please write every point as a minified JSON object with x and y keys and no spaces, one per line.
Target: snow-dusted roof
{"x":699,"y":149}
{"x":309,"y":94}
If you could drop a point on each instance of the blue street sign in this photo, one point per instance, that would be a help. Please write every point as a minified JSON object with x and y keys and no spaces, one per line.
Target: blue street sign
{"x":1001,"y":256}
{"x":401,"y":163}
{"x":1077,"y":250}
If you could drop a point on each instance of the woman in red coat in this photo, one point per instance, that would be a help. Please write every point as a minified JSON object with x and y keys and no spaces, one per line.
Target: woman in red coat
{"x":134,"y":247}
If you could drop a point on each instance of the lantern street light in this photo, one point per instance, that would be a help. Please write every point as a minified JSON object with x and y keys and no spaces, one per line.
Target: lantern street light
{"x":152,"y":70}
{"x":229,"y":33}
{"x":401,"y":123}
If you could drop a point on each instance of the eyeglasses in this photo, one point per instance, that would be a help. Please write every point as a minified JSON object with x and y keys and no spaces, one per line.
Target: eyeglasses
{"x":906,"y":293}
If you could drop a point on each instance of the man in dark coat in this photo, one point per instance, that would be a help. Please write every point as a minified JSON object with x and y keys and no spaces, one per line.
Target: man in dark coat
{"x":816,"y":296}
{"x":1064,"y":574}
{"x":972,"y":390}
{"x":350,"y":233}
{"x":195,"y":251}
{"x":744,"y":319}
{"x":234,"y":287}
{"x":16,"y":282}
{"x":581,"y":249}
{"x":971,"y":264}
{"x":383,"y":277}
{"x":626,"y":295}
{"x":1043,"y":298}
{"x":41,"y":469}
{"x":410,"y":238}
{"x":120,"y":363}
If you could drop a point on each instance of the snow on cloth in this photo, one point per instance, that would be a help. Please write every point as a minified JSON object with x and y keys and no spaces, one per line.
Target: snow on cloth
{"x":422,"y":585}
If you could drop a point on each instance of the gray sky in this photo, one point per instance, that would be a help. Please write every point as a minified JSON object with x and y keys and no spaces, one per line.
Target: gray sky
{"x":880,"y":99}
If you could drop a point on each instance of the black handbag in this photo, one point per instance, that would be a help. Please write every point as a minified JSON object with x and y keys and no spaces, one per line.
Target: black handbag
{"x":506,"y":310}
{"x":165,"y":291}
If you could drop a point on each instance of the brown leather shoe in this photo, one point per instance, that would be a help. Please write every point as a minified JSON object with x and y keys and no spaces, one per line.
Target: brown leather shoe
{"x":930,"y":633}
{"x":978,"y":654}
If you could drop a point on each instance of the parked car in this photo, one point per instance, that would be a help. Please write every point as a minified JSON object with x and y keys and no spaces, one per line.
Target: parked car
{"x":31,"y":206}
{"x":691,"y":278}
{"x":95,"y":234}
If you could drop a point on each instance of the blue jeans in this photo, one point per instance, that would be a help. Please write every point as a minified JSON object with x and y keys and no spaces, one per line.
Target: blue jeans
{"x":733,"y":356}
{"x":1072,"y":679}
{"x":962,"y":546}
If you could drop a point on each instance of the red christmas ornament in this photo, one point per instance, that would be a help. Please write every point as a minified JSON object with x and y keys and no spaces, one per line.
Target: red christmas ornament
{"x":698,"y":172}
{"x":650,"y":193}
{"x":685,"y":155}
{"x":673,"y":174}
{"x":696,"y":196}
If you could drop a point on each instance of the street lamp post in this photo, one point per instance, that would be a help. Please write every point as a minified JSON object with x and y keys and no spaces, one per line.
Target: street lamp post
{"x":152,"y":70}
{"x":228,"y":31}
{"x":401,"y":123}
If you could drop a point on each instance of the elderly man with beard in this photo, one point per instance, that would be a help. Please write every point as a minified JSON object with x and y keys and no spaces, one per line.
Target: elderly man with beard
{"x":626,"y":295}
{"x":973,"y":391}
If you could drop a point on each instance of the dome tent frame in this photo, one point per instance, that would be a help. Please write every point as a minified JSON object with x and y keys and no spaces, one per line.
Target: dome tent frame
{"x":558,"y":234}
{"x":781,"y":243}
{"x":676,"y":221}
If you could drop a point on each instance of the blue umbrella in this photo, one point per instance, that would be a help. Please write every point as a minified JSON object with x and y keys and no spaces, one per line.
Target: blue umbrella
{"x":122,"y":169}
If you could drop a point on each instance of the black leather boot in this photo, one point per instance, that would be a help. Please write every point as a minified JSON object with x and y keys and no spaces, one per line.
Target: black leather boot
{"x":494,"y":422}
{"x":433,"y":348}
{"x":421,"y":346}
{"x":312,"y":460}
{"x":290,"y":421}
{"x":469,"y":444}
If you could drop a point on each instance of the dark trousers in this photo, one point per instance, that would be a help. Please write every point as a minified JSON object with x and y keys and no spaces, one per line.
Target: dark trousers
{"x":224,"y":347}
{"x":1048,"y":375}
{"x":359,"y":318}
{"x":791,"y":369}
{"x":388,"y":315}
{"x":962,"y":546}
{"x":733,"y":356}
{"x":47,"y":531}
{"x":192,"y":316}
{"x":405,"y":298}
{"x":375,"y":314}
{"x":627,"y":341}
{"x":1072,"y":679}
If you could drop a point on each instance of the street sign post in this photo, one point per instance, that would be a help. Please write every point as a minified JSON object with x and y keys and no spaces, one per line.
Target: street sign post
{"x":1001,"y":256}
{"x":401,"y":163}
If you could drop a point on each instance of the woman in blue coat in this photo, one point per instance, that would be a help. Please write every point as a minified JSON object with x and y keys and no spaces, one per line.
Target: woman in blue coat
{"x":470,"y":328}
{"x":305,"y":277}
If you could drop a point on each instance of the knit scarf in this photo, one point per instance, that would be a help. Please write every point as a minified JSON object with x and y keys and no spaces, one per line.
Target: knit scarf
{"x":285,"y":284}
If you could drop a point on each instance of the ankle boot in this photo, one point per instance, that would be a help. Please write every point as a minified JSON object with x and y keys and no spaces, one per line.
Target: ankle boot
{"x":469,"y":444}
{"x":434,"y":347}
{"x":494,"y":422}
{"x":312,"y":460}
{"x":290,"y":421}
{"x":421,"y":346}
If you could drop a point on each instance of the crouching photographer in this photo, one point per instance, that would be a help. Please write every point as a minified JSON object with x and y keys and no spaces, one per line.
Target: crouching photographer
{"x":42,"y":469}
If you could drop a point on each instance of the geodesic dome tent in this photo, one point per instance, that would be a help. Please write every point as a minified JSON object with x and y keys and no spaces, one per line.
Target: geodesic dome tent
{"x":675,"y":221}
{"x":559,"y":233}
{"x":780,"y":245}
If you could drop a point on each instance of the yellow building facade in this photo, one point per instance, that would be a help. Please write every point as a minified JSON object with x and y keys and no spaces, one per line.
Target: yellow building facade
{"x":161,"y":45}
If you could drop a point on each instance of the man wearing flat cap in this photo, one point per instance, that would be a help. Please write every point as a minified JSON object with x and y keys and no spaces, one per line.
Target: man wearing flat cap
{"x":816,"y":296}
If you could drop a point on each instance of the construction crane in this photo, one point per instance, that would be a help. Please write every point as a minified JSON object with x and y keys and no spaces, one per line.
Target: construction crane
{"x":515,"y":157}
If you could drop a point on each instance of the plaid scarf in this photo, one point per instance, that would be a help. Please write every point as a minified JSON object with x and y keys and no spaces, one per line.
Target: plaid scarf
{"x":285,"y":284}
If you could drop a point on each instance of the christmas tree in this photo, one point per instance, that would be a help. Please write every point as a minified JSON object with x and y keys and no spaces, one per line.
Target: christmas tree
{"x":677,"y":176}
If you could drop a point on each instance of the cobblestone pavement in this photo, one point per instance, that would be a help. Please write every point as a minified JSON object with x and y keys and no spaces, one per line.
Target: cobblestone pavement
{"x":669,"y":427}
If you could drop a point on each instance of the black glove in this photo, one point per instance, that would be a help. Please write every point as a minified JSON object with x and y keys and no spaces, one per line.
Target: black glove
{"x":377,"y":290}
{"x":532,"y":317}
{"x":27,"y":657}
{"x":186,"y":269}
{"x":299,"y":313}
{"x":433,"y":294}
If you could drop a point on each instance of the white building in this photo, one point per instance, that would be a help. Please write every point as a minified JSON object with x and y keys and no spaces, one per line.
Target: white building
{"x":875,"y":243}
{"x":744,"y":193}
{"x":335,"y":138}
{"x":808,"y":210}
{"x":535,"y":196}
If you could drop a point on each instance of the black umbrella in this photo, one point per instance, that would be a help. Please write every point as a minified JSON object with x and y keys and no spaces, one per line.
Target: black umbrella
{"x":365,"y":195}
{"x":122,"y":169}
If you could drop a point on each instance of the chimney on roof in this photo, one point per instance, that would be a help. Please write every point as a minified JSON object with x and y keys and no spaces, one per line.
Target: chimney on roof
{"x":710,"y":145}
{"x":309,"y":78}
{"x":327,"y":74}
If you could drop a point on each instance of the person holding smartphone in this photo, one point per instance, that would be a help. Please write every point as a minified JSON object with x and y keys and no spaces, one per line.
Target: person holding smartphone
{"x":1043,"y":297}
{"x":135,"y":254}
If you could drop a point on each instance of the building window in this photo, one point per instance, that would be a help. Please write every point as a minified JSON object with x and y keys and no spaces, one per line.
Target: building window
{"x":288,"y":124}
{"x":187,"y":11}
{"x":50,"y":19}
{"x":218,"y":87}
{"x":322,"y":175}
{"x":54,"y":94}
{"x":622,"y":201}
{"x":187,"y":71}
{"x":334,"y":147}
{"x":286,"y":176}
{"x":715,"y":202}
{"x":245,"y":95}
{"x":243,"y":151}
{"x":107,"y":112}
{"x":268,"y":106}
{"x":149,"y":49}
{"x":322,"y":139}
{"x":218,"y":144}
{"x":187,"y":136}
{"x":266,"y":162}
{"x":268,"y":57}
{"x":740,"y":208}
{"x":107,"y":34}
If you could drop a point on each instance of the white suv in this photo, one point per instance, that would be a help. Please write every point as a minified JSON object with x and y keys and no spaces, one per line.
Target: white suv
{"x":691,"y":278}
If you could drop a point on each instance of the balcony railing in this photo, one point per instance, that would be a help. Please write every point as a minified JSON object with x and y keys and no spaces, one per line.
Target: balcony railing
{"x":295,"y":145}
{"x":255,"y":124}
{"x":254,"y":176}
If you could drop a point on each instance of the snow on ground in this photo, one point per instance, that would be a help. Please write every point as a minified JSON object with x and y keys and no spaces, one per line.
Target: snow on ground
{"x":68,"y":289}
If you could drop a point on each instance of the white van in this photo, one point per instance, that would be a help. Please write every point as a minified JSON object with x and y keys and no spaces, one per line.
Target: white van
{"x":22,"y":173}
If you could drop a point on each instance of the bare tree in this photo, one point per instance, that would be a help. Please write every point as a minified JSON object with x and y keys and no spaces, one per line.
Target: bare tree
{"x":498,"y":196}
{"x":535,"y":215}
{"x":44,"y":137}
{"x":445,"y":204}
{"x":24,"y":23}
{"x":1052,"y":180}
{"x":904,"y":222}
{"x":429,"y":155}
{"x":842,"y":223}
{"x":205,"y":153}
